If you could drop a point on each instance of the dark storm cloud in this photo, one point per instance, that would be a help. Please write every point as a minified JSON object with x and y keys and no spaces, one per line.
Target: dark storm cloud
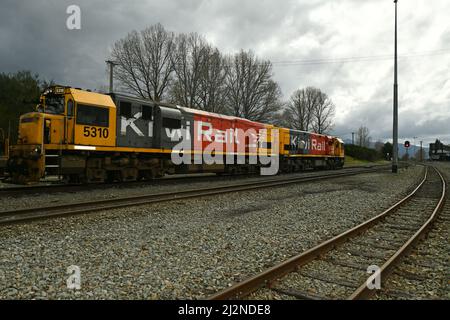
{"x":38,"y":40}
{"x":33,"y":36}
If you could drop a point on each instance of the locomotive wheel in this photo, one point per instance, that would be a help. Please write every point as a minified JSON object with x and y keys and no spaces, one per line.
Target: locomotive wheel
{"x":73,"y":178}
{"x":95,"y":175}
{"x":18,"y":178}
{"x":110,"y":176}
{"x":128,"y":174}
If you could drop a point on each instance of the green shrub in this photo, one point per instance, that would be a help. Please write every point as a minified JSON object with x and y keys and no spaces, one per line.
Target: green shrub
{"x":362,"y":153}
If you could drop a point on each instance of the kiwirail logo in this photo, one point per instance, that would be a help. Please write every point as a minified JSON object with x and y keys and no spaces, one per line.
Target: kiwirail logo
{"x":73,"y":21}
{"x":212,"y":146}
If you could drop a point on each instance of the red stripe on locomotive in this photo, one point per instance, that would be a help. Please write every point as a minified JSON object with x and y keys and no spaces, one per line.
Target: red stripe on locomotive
{"x":222,"y":130}
{"x":319,"y":145}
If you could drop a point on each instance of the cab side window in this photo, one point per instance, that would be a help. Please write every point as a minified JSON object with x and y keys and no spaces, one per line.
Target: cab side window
{"x":70,"y":108}
{"x":92,"y":116}
{"x":125,"y":109}
{"x":147,"y":112}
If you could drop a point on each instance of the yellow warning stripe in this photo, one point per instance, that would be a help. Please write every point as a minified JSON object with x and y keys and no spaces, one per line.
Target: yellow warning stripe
{"x":140,"y":150}
{"x":168,"y":151}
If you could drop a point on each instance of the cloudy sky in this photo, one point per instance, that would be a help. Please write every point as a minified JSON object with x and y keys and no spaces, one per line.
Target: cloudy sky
{"x":343,"y":47}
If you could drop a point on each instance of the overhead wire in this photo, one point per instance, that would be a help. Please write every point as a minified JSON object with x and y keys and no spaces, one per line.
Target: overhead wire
{"x":358,"y":59}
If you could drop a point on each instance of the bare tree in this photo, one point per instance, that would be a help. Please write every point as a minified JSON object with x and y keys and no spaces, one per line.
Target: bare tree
{"x":323,"y":114}
{"x":363,"y":137}
{"x":251,"y":91}
{"x":186,"y":69}
{"x":145,"y":62}
{"x":191,"y":54}
{"x":212,"y":91}
{"x":311,"y":109}
{"x":301,"y":107}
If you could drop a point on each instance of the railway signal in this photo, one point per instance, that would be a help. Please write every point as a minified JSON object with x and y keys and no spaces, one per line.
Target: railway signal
{"x":407,"y":145}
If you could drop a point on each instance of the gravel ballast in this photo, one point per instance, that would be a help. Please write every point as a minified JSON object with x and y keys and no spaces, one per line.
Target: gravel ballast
{"x":185,"y":249}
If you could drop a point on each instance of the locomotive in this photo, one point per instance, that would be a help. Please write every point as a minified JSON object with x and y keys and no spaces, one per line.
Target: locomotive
{"x":87,"y":137}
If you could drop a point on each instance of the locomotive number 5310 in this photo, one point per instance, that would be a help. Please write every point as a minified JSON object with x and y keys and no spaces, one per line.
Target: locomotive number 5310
{"x":96,"y":132}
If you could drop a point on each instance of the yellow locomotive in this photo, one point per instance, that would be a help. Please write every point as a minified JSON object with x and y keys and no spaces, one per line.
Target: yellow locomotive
{"x":45,"y":134}
{"x":57,"y":138}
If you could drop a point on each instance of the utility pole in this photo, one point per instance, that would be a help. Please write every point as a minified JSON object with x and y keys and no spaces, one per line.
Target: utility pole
{"x":111,"y":74}
{"x":414,"y":147}
{"x":353,"y":138}
{"x":421,"y":151}
{"x":395,"y":131}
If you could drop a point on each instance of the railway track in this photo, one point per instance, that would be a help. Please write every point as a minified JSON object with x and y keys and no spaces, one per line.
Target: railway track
{"x":58,"y":187}
{"x":21,"y":215}
{"x":17,"y":191}
{"x":425,"y":273}
{"x":338,"y":268}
